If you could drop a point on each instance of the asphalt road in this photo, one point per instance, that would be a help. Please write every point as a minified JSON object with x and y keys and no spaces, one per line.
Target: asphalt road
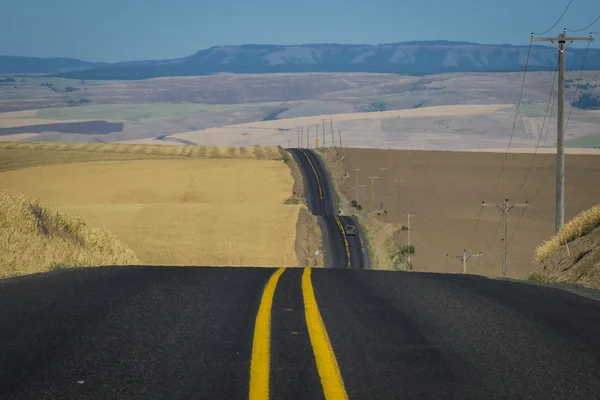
{"x":341,"y":251}
{"x":239,"y":333}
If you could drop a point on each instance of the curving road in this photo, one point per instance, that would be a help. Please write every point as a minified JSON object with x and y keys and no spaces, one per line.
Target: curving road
{"x":341,"y":251}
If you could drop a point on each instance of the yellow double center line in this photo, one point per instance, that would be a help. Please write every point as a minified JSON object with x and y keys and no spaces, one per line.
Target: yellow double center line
{"x":327,"y":366}
{"x":345,"y":240}
{"x":316,"y":175}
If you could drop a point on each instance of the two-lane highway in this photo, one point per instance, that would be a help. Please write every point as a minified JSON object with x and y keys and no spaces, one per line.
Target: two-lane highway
{"x":341,"y":250}
{"x":263,"y":333}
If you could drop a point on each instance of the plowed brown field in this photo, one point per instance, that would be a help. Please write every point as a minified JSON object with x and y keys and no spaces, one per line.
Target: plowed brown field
{"x":444,"y":191}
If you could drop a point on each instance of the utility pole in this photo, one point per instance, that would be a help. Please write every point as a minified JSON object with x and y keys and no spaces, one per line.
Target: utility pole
{"x":562,"y":39}
{"x":362,"y":189}
{"x":399,"y":181}
{"x":332,"y":136}
{"x":381,"y":186}
{"x":308,"y":136}
{"x":464,"y":258}
{"x":298,"y":135}
{"x":340,"y":132}
{"x":409,"y":215}
{"x":357,"y":196}
{"x":372,"y":178}
{"x":505,"y":208}
{"x":323,"y":132}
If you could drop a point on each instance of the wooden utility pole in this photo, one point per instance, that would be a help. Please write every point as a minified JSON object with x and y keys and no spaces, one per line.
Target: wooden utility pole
{"x":382,"y":185}
{"x":298,"y":134}
{"x":332,"y":136}
{"x":308,"y":137}
{"x":505,"y":208}
{"x":464,"y":258}
{"x":409,"y":248}
{"x":340,"y":132}
{"x":372,"y":178}
{"x":562,"y":39}
{"x":323,"y":132}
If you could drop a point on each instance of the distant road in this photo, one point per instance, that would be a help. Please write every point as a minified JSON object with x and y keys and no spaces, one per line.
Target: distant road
{"x":240,"y":333}
{"x":341,"y":251}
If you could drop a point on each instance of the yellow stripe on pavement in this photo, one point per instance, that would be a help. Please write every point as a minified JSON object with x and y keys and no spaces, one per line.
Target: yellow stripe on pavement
{"x":345,"y":240}
{"x":316,"y":176}
{"x":261,"y":346}
{"x":331,"y":378}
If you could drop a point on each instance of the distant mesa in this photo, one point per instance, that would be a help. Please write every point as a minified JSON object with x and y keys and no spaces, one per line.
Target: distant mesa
{"x":417,"y":58}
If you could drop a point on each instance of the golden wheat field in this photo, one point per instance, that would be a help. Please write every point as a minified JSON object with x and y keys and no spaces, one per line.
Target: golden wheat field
{"x":192,"y":211}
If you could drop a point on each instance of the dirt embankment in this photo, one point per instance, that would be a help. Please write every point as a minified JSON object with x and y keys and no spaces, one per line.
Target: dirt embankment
{"x":35,"y":238}
{"x":308,"y":230}
{"x":572,"y":255}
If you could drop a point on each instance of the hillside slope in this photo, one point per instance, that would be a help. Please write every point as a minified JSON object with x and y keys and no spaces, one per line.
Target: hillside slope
{"x":573,"y":255}
{"x":35,"y":238}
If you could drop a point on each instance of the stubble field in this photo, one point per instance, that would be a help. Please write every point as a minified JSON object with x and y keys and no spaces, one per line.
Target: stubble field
{"x":444,"y":191}
{"x":169,"y":211}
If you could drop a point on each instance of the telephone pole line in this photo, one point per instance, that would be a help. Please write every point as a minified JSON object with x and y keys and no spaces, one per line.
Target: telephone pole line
{"x":464,"y":258}
{"x":409,"y":248}
{"x":382,"y":185}
{"x":505,"y":208}
{"x":562,"y":39}
{"x":357,"y":195}
{"x":372,"y":178}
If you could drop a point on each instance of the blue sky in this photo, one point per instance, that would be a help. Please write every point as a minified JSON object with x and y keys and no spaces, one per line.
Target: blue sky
{"x":118,"y":30}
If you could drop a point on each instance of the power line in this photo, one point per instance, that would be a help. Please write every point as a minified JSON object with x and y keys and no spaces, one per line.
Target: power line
{"x":578,"y":83}
{"x":516,"y":118}
{"x":557,"y":21}
{"x":541,"y":131}
{"x":537,"y":171}
{"x":492,"y":241}
{"x":475,"y":230}
{"x":585,"y":27}
{"x":517,"y":226}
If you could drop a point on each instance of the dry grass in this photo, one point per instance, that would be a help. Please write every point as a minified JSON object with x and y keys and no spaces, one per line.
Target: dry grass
{"x":16,"y":155}
{"x":35,"y":238}
{"x":178,"y":212}
{"x":582,"y":224}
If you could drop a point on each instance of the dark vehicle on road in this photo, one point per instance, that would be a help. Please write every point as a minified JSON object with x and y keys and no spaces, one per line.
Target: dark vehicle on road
{"x":351,"y":230}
